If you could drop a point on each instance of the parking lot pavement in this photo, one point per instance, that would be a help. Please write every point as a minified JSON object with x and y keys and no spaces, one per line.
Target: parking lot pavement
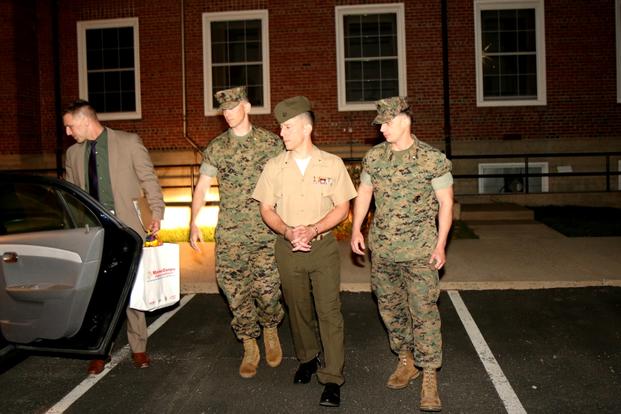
{"x":556,"y":351}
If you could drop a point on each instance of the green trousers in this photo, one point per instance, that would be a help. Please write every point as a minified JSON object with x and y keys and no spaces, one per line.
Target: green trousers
{"x":311,"y":283}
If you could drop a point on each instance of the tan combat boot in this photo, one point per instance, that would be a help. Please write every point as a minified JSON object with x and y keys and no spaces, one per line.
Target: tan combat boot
{"x":273,"y":351}
{"x":249,"y":364}
{"x":429,"y":398}
{"x":405,"y":372}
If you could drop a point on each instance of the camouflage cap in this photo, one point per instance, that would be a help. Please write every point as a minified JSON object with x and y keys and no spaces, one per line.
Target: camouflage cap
{"x":229,"y":98}
{"x":291,"y":107}
{"x":388,"y":108}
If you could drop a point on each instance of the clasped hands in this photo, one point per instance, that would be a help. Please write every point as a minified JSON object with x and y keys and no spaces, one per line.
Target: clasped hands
{"x":300,"y":237}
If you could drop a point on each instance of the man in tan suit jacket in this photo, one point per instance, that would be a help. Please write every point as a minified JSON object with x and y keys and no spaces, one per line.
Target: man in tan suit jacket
{"x":129,"y":172}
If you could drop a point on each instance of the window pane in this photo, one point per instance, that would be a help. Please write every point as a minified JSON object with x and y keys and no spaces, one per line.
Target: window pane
{"x":491,"y":85}
{"x":254,"y":52}
{"x":255,"y":75}
{"x":490,"y":42}
{"x":126,"y":37}
{"x":528,"y":85}
{"x":390,"y":70}
{"x":508,"y":65}
{"x":110,"y":38}
{"x":253,"y":30}
{"x":390,"y":88}
{"x":507,"y":20}
{"x":353,"y":70}
{"x":255,"y":95}
{"x":369,"y":25}
{"x":236,"y":32}
{"x":489,"y":20}
{"x":128,"y":101}
{"x":126,"y":58}
{"x":110,"y":58}
{"x":491,"y":66}
{"x":354,"y":91}
{"x":372,"y":91}
{"x":528,"y":64}
{"x":526,"y":41}
{"x":94,"y":39}
{"x":219,"y":53}
{"x":96,"y":82}
{"x":94,"y":59}
{"x":237,"y":52}
{"x":388,"y":45}
{"x":220,"y":77}
{"x":509,"y":85}
{"x":128,"y":81}
{"x":371,"y":70}
{"x":508,"y":42}
{"x":218,"y":32}
{"x":353,"y":47}
{"x":238,"y":75}
{"x":112,"y":81}
{"x":370,"y":46}
{"x":526,"y":19}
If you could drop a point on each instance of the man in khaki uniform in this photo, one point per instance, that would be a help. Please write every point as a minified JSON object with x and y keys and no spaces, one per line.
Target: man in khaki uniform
{"x":412,"y":185}
{"x":245,"y":264}
{"x":304,"y":193}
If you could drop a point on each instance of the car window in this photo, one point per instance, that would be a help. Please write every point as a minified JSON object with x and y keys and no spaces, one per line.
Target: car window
{"x":27,"y":207}
{"x":80,"y":215}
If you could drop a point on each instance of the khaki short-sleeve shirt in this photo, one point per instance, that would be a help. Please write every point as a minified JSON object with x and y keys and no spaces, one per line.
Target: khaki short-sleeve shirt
{"x":304,"y":199}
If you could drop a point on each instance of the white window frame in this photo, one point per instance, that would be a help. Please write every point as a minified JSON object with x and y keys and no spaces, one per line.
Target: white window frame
{"x":82,"y":70}
{"x":340,"y":12}
{"x":538,"y":5}
{"x":545,"y":182}
{"x":618,"y":26}
{"x":233,"y":16}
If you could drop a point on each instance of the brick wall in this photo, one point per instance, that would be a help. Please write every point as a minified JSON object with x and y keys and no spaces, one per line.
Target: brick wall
{"x":580,"y":59}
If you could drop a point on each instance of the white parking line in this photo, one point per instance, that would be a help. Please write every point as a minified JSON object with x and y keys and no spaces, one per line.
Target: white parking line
{"x":503,"y":388}
{"x":119,"y":356}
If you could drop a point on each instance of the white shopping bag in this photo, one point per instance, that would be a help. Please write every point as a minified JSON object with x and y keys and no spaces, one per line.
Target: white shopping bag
{"x":157,"y":280}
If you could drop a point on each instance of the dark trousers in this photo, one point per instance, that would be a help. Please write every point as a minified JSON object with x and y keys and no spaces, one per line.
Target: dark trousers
{"x":311,"y":285}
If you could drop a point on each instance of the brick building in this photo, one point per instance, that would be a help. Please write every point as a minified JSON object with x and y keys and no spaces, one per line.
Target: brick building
{"x":483,"y":76}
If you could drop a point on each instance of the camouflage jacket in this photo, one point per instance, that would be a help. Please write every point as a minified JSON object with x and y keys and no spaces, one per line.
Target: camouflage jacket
{"x":239,"y":162}
{"x":404,"y":226}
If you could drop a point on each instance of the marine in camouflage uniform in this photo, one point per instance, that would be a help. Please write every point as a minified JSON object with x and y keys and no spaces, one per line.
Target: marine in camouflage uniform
{"x":412,"y":185}
{"x":245,"y":265}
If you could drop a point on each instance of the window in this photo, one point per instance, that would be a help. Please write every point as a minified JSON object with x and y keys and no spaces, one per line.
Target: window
{"x":513,"y":177}
{"x":35,"y":207}
{"x":510,"y":52}
{"x":109,"y":67}
{"x":370,"y":47}
{"x":236,"y":53}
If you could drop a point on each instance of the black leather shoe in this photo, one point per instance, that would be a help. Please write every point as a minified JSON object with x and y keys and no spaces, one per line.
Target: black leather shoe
{"x":331,"y":395}
{"x":305,"y":371}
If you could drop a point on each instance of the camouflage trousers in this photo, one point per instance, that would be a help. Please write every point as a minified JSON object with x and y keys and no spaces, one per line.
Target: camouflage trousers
{"x":407,"y":294}
{"x":248,"y":276}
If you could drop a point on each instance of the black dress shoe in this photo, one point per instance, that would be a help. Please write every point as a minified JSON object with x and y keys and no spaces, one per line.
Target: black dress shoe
{"x":305,"y":371}
{"x":331,"y":395}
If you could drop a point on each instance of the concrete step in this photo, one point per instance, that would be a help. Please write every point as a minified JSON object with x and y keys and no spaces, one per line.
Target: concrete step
{"x":495,"y":212}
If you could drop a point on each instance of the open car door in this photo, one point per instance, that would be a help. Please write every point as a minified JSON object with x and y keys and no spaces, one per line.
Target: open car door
{"x":68,"y":267}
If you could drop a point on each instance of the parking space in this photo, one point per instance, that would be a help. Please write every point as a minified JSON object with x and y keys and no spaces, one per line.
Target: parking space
{"x":557,"y":349}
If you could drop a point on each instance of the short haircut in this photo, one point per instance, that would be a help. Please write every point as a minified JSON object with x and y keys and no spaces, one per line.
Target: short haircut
{"x":310,"y":116}
{"x":82,"y":107}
